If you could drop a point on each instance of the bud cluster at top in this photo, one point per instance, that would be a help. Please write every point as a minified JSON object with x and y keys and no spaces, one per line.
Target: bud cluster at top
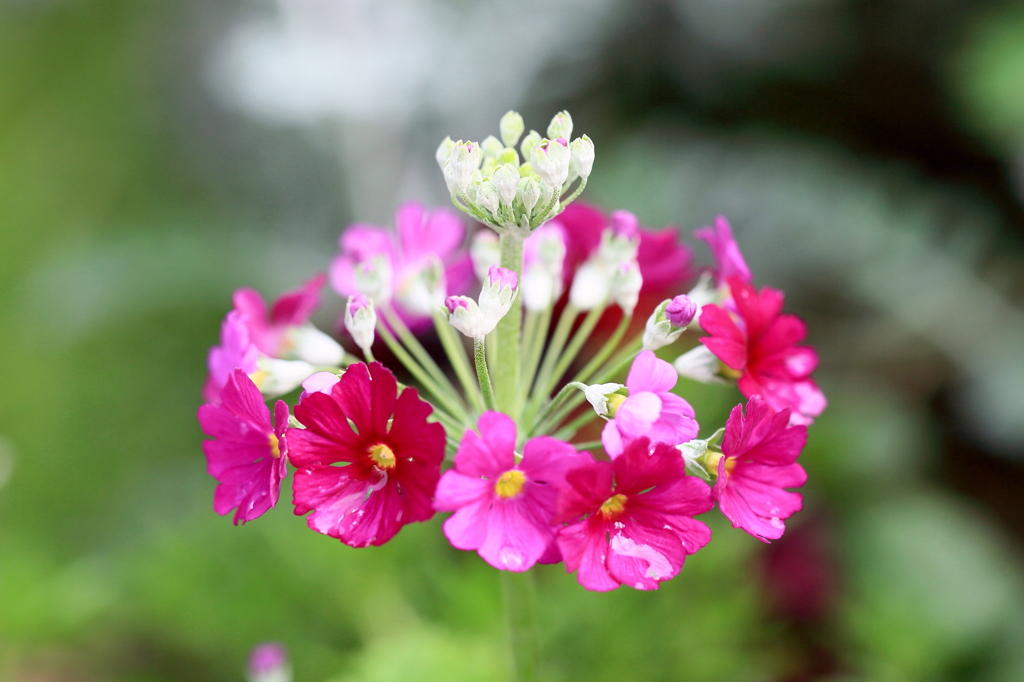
{"x":508,"y":192}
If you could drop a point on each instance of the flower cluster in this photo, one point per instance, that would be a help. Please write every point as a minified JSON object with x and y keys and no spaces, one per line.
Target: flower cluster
{"x":496,"y":438}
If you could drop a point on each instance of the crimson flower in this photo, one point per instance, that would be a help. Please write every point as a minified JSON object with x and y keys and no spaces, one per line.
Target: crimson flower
{"x":248,"y":454}
{"x":760,"y":344}
{"x":759,"y":453}
{"x":389,"y":456}
{"x":631,"y":519}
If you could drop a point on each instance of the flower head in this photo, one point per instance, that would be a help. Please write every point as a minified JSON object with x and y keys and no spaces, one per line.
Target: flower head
{"x":667,"y":322}
{"x":759,"y":453}
{"x":236,"y":351}
{"x":631,"y":519}
{"x":651,"y":411}
{"x":503,"y":509}
{"x":269,"y":663}
{"x":248,"y":453}
{"x":274,"y":331}
{"x":761,"y":344}
{"x":361,"y":320}
{"x":392,"y":457}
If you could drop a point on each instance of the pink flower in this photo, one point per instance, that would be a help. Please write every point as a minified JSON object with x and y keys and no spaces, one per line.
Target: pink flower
{"x":424,"y":239}
{"x":236,"y":351}
{"x":321,"y":382}
{"x":632,"y":518}
{"x":725,"y":250}
{"x":650,"y":411}
{"x":269,"y":663}
{"x":504,"y":509}
{"x":760,"y":344}
{"x":664,"y":261}
{"x":681,"y":310}
{"x":291,"y":309}
{"x":759,"y":453}
{"x":248,"y":454}
{"x":392,"y":455}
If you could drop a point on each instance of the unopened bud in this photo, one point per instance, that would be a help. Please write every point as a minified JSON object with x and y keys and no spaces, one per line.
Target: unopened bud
{"x":699,"y":364}
{"x":529,"y":142}
{"x":487,"y":197}
{"x":510,"y":156}
{"x":582,"y":149}
{"x":605,"y":398}
{"x":550,"y":159}
{"x":485,"y":251}
{"x":528,"y":191}
{"x":625,"y":224}
{"x":464,"y":314}
{"x":269,"y":663}
{"x":466,"y":158}
{"x":497,"y":294}
{"x":511,"y":128}
{"x":680,"y":310}
{"x":590,"y":286}
{"x":444,"y":152}
{"x":660,"y":330}
{"x":626,"y":284}
{"x":492,"y":147}
{"x":506,"y":181}
{"x":361,"y":320}
{"x":560,"y":126}
{"x":313,"y":346}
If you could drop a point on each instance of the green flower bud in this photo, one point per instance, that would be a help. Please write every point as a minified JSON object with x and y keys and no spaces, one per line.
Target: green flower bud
{"x":529,"y":142}
{"x":511,"y":128}
{"x":560,"y":126}
{"x":492,"y":147}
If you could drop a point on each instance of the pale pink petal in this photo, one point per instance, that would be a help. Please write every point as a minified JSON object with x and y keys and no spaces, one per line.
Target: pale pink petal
{"x":649,"y":373}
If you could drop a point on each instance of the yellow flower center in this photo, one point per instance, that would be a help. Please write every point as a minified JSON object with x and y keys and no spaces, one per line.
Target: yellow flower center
{"x":728,"y":372}
{"x":275,"y":446}
{"x":382,"y":456}
{"x":615,"y":401}
{"x":510,"y":484}
{"x":613,"y":506}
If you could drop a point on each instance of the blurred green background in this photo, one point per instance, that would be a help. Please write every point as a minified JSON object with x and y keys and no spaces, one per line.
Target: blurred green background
{"x":156,"y":155}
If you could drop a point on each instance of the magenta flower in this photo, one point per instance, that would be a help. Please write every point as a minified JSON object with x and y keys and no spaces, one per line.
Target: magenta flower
{"x":631,"y":519}
{"x":725,"y":250}
{"x":759,"y":453}
{"x":760,"y":344}
{"x":291,"y":309}
{"x":391,"y":457}
{"x":650,"y":411}
{"x":248,"y":456}
{"x":269,"y":663}
{"x":664,"y":261}
{"x":236,"y":351}
{"x":681,"y":310}
{"x":504,"y":509}
{"x":426,"y":241}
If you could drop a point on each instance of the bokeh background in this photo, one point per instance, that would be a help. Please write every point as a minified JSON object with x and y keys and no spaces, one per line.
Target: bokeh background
{"x":156,"y":155}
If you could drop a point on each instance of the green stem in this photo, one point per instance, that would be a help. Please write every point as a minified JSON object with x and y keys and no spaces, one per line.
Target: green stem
{"x":570,"y":429}
{"x":566,"y":390}
{"x":581,"y":336}
{"x":506,"y":368}
{"x":535,"y":344}
{"x":550,"y":358}
{"x":421,"y":375}
{"x":482,"y":376}
{"x":417,"y":349}
{"x":587,"y":445}
{"x":520,"y":597}
{"x":451,"y":341}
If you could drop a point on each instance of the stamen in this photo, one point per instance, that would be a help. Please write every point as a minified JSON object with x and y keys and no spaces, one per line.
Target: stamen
{"x":510,"y":484}
{"x":383,"y":456}
{"x":613,"y":507}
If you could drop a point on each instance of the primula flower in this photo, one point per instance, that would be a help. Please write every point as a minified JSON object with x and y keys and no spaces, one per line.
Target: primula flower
{"x":236,"y":351}
{"x":248,"y":456}
{"x":650,"y":411}
{"x":271,"y":331}
{"x":391,"y":456}
{"x":761,"y":345}
{"x":632,"y":518}
{"x":726,"y":251}
{"x":759,"y":452}
{"x":503,"y":509}
{"x":422,"y":263}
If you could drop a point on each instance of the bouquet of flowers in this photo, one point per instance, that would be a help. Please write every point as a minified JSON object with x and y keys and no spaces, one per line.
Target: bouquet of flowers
{"x":495,"y":435}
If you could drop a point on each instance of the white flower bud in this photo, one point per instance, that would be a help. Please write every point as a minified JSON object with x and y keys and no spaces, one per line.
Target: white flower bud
{"x":311,"y":345}
{"x":560,"y":126}
{"x":361,"y":321}
{"x":582,"y":150}
{"x":487,"y":197}
{"x":550,"y":160}
{"x":511,"y":157}
{"x":528,"y":191}
{"x":617,"y":249}
{"x":276,"y":377}
{"x":485,"y":251}
{"x":539,"y":288}
{"x":602,"y":397}
{"x":444,"y":152}
{"x":699,"y":364}
{"x":466,"y":158}
{"x":529,"y":142}
{"x":506,"y":181}
{"x":625,"y":288}
{"x":590,"y":286}
{"x":511,"y":127}
{"x":373,"y":279}
{"x":492,"y":147}
{"x":497,"y":294}
{"x":660,"y":331}
{"x":464,"y":314}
